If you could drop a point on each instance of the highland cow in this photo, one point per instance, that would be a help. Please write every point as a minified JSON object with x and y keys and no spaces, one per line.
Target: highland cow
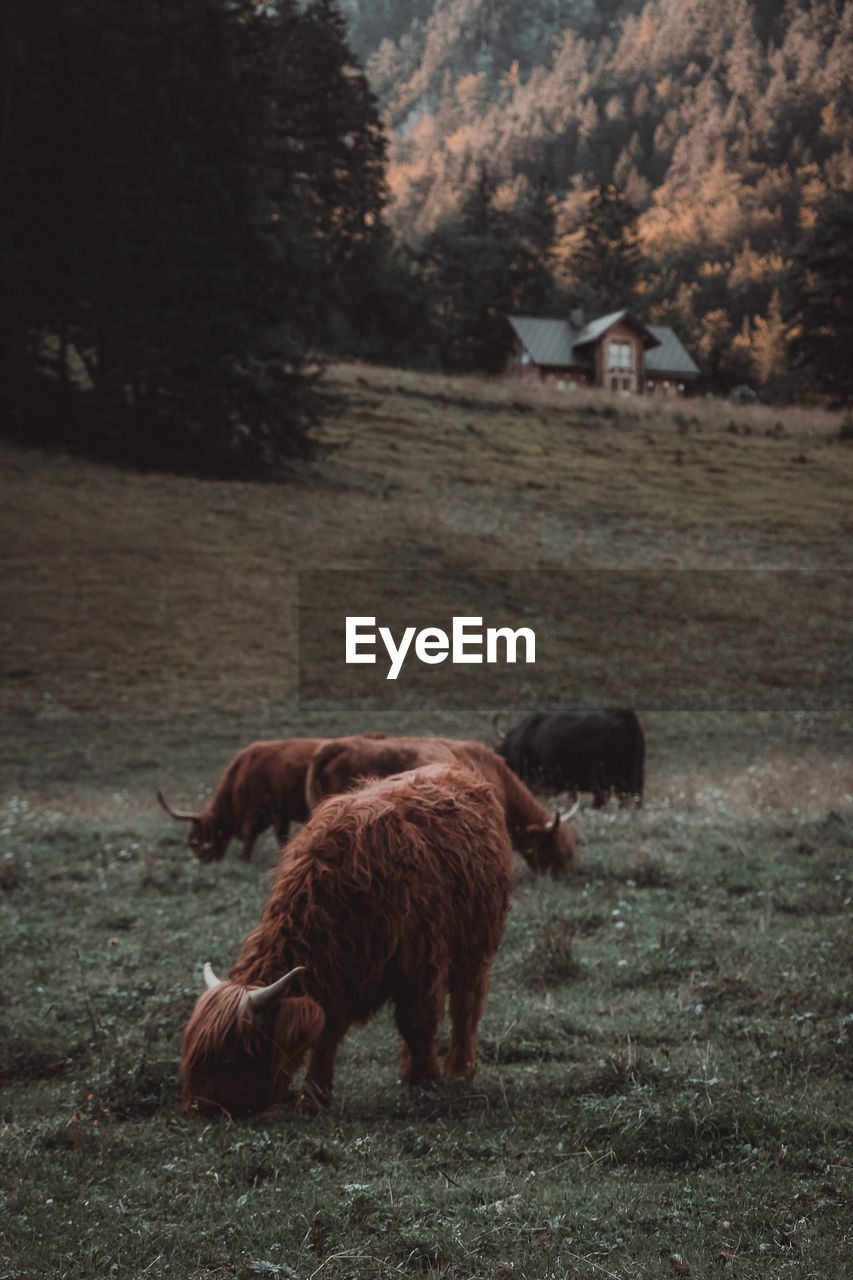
{"x":396,"y":892}
{"x":262,"y":786}
{"x":546,"y":842}
{"x":600,"y":751}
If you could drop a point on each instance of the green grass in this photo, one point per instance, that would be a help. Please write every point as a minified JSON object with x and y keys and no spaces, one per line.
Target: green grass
{"x":665,"y":1072}
{"x":665,"y":1080}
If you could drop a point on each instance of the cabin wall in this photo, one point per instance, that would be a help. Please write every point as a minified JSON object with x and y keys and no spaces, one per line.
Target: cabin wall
{"x":619,"y":360}
{"x":666,"y":388}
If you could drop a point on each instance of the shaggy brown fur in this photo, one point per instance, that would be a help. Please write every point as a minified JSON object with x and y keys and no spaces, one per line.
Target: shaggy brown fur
{"x":395,"y":892}
{"x":262,"y":786}
{"x":344,"y":762}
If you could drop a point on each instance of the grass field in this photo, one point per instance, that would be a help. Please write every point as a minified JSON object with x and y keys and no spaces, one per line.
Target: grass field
{"x":665,"y":1079}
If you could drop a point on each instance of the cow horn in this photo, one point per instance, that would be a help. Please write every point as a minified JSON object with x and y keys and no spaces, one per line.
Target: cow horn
{"x":555,"y":823}
{"x":261,"y":996}
{"x":496,"y":728}
{"x":210,"y":978}
{"x":181,"y":814}
{"x":572,"y":811}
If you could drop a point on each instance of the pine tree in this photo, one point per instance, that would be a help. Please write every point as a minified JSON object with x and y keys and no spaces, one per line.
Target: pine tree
{"x":342,"y":158}
{"x":606,"y":261}
{"x":476,"y":212}
{"x":473,"y":283}
{"x":175,"y":180}
{"x":536,"y":220}
{"x":816,"y":303}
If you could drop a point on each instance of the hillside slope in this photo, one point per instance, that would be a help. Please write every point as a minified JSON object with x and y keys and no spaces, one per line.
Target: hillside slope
{"x":153,"y":595}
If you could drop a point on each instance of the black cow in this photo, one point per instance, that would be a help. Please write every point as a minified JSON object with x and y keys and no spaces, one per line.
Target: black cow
{"x":599,"y":751}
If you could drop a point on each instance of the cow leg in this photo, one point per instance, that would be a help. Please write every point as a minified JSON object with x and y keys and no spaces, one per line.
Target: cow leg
{"x":417,"y":1014}
{"x":466,"y":1005}
{"x":600,"y":792}
{"x":250,"y":833}
{"x":316,"y":1092}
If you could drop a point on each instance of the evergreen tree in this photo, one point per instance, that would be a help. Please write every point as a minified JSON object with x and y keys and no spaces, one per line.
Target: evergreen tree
{"x":535,"y":220}
{"x":816,"y":303}
{"x":476,"y":215}
{"x":170,"y":199}
{"x":342,"y":156}
{"x":394,"y":319}
{"x":473,"y":283}
{"x":606,"y":262}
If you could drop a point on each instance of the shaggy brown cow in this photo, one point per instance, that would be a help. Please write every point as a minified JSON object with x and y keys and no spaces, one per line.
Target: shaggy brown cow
{"x":546,"y":842}
{"x":342,"y":762}
{"x":395,"y":892}
{"x":262,"y":786}
{"x":543,"y":840}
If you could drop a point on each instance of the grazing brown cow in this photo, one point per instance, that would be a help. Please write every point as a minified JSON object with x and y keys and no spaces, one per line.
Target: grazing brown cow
{"x":394,"y":892}
{"x":342,"y":762}
{"x":547,"y":842}
{"x":543,"y":840}
{"x":262,"y":786}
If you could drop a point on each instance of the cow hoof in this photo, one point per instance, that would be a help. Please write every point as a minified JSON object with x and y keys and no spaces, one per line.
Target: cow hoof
{"x":463,"y":1070}
{"x":313,"y":1098}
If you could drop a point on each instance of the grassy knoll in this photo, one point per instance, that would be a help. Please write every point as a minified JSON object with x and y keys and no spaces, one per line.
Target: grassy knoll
{"x":665,"y":1082}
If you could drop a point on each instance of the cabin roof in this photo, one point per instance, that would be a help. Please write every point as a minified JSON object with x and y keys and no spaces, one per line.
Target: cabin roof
{"x":560,"y":344}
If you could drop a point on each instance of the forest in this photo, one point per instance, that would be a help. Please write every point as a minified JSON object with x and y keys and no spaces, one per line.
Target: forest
{"x":200,"y":202}
{"x":183,"y":186}
{"x":725,"y":128}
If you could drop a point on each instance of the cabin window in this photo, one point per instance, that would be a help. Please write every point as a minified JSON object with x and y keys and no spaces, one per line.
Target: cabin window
{"x":619,"y":355}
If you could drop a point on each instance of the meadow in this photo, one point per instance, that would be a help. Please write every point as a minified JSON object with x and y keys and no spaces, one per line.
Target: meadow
{"x":665,"y":1065}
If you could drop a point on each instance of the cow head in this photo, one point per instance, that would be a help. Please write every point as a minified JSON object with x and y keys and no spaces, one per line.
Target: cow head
{"x":551,"y":847}
{"x":242,"y":1045}
{"x":207,"y":838}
